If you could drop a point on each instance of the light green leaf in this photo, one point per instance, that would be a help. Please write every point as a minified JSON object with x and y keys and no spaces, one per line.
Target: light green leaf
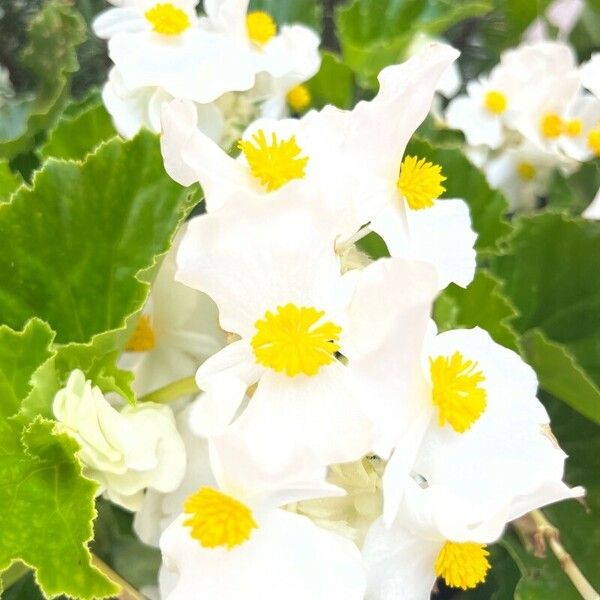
{"x":488,"y":207}
{"x":46,"y":511}
{"x":50,"y":55}
{"x":74,"y":243}
{"x":9,"y":181}
{"x":575,"y":192}
{"x":377,"y":33}
{"x":550,"y":269}
{"x":74,"y":137}
{"x":481,"y":304}
{"x":284,"y":12}
{"x":21,"y":354}
{"x":333,"y":84}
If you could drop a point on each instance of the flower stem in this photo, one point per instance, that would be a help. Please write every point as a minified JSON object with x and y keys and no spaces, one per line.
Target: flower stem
{"x":127,"y":591}
{"x":545,"y":531}
{"x":172,"y":391}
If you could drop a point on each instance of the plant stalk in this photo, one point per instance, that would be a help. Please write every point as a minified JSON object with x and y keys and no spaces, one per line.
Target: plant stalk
{"x":172,"y":391}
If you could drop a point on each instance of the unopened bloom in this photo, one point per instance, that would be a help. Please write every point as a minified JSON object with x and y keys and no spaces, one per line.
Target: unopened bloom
{"x":233,"y":540}
{"x":127,"y":451}
{"x":354,"y":159}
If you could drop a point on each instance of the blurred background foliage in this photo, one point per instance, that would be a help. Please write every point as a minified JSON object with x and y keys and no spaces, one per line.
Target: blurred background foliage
{"x":537,"y":289}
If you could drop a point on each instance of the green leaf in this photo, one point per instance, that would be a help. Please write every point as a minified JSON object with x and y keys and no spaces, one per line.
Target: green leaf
{"x":50,"y":55}
{"x":481,"y":304}
{"x":376,"y":33}
{"x":75,"y":137}
{"x":575,"y":192}
{"x":284,"y":12}
{"x":488,"y":207}
{"x":76,"y":242}
{"x":9,"y":181}
{"x":333,"y":84}
{"x":21,"y":354}
{"x":46,"y":511}
{"x":550,"y":268}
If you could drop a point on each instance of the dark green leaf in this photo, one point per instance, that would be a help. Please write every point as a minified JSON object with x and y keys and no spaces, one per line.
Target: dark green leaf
{"x":333,"y":84}
{"x":284,"y":12}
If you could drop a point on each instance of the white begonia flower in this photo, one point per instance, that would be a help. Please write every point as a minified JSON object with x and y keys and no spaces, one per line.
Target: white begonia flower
{"x":581,"y":140}
{"x":177,"y":330}
{"x":484,"y":418}
{"x":354,"y":159}
{"x":158,"y":510}
{"x":234,"y":541}
{"x":522,"y":173}
{"x":271,"y":268}
{"x":127,"y":451}
{"x":590,"y":74}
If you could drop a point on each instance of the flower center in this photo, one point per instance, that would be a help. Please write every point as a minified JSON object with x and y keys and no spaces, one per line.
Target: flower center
{"x":217,"y":519}
{"x":552,"y":126}
{"x":290,"y":340}
{"x":495,"y":102}
{"x":456,"y":391}
{"x":594,"y":140}
{"x":167,"y":19}
{"x":573,"y":128}
{"x":260,"y":26}
{"x":298,"y":98}
{"x":420,"y":182}
{"x":143,"y":338}
{"x":526,"y":170}
{"x":462,"y":565}
{"x":276,"y":163}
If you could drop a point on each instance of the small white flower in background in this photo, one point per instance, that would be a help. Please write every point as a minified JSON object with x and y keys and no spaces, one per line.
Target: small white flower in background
{"x":163,"y":51}
{"x":562,"y":14}
{"x":177,"y":330}
{"x":352,"y":158}
{"x":484,"y":418}
{"x":127,"y":451}
{"x":234,"y":541}
{"x":522,"y":173}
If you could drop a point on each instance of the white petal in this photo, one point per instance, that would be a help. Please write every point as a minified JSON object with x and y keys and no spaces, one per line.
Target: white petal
{"x":257,"y":255}
{"x":319,"y":415}
{"x":479,"y":126}
{"x":590,"y":74}
{"x":286,"y":557}
{"x":118,"y":20}
{"x":400,"y":564}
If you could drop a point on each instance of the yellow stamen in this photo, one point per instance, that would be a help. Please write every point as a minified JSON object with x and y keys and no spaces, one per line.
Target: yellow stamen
{"x":275,"y":164}
{"x":290,"y":341}
{"x":495,"y":102}
{"x":143,"y":338}
{"x":167,"y":19}
{"x":217,"y":519}
{"x":594,"y":140}
{"x":456,"y":391}
{"x":261,"y":27}
{"x":299,"y":98}
{"x":573,"y":128}
{"x":552,"y":126}
{"x":462,"y":565}
{"x":420,"y":182}
{"x":526,"y":170}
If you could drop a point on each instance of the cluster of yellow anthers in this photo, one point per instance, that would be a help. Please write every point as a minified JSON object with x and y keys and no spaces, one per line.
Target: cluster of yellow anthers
{"x":553,"y":126}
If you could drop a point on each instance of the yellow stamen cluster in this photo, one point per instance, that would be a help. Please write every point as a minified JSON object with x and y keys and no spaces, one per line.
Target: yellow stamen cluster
{"x":495,"y":102}
{"x":420,"y":182}
{"x":299,"y":98}
{"x":290,"y":341}
{"x":456,"y":391}
{"x":217,"y":519}
{"x":553,"y":125}
{"x":167,"y":19}
{"x":526,"y":170}
{"x":143,"y":338}
{"x":593,"y":140}
{"x":462,"y":565}
{"x":260,"y":26}
{"x":276,"y":163}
